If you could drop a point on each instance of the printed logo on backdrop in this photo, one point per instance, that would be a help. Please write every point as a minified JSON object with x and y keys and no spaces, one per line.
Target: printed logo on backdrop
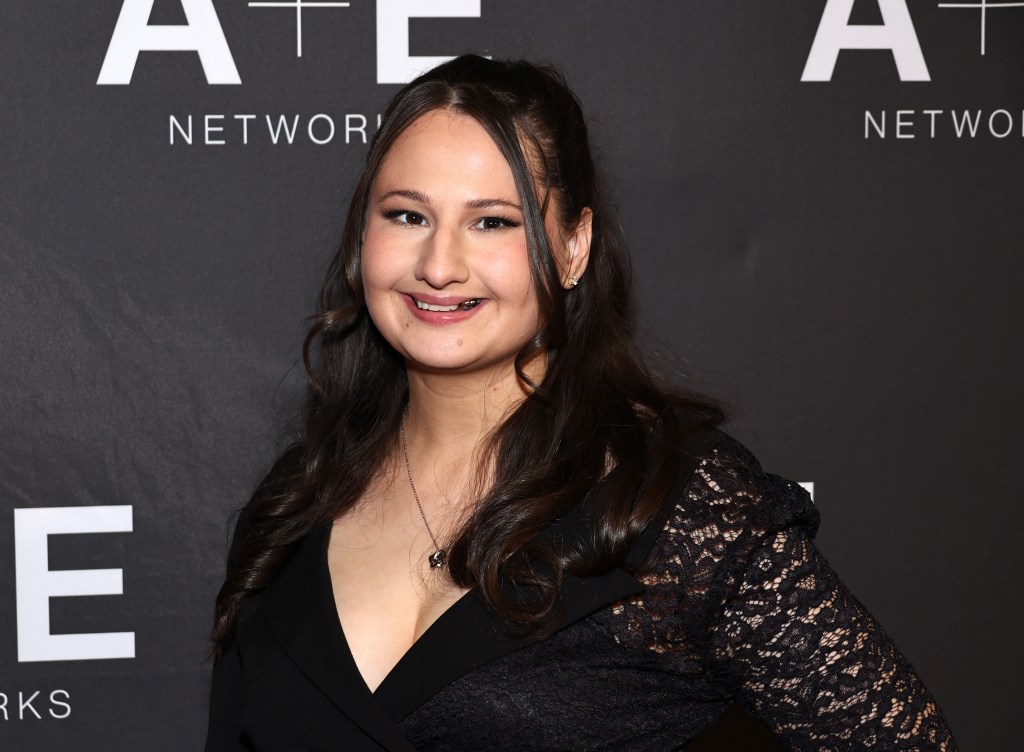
{"x":836,"y":36}
{"x":203,"y":34}
{"x":36,"y":584}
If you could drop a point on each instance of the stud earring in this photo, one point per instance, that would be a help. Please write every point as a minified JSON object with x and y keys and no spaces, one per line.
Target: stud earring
{"x":573,"y":281}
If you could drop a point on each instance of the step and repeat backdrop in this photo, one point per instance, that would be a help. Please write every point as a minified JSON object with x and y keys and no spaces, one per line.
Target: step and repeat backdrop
{"x":823,"y":202}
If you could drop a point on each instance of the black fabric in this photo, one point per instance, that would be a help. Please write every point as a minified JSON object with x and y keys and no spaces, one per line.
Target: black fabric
{"x":734,"y":603}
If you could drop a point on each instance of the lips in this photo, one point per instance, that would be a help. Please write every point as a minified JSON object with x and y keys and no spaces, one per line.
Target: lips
{"x":442,"y":309}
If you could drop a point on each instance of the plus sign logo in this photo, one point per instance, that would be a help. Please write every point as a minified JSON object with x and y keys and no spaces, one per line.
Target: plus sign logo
{"x":202,"y":34}
{"x":299,"y":6}
{"x":982,"y":7}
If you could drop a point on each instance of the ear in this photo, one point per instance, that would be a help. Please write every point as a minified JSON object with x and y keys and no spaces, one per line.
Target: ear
{"x":577,"y":249}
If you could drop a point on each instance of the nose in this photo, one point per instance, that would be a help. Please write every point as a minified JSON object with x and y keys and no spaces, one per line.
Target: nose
{"x":442,"y":259}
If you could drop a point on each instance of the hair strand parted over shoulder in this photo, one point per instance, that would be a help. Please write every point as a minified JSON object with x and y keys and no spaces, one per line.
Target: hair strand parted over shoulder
{"x":597,"y":405}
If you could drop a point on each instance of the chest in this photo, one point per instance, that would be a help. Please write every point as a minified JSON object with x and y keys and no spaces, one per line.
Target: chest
{"x":385,"y":593}
{"x":305,"y":690}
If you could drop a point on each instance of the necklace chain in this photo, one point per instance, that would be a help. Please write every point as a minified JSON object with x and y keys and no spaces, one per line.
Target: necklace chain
{"x":437,"y":559}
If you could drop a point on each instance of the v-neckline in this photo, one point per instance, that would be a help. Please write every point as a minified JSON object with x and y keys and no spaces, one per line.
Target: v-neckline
{"x":435,"y":659}
{"x":324,"y":561}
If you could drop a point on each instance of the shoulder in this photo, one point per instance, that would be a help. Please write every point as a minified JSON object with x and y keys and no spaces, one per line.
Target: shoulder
{"x":726,"y":508}
{"x":731,"y":490}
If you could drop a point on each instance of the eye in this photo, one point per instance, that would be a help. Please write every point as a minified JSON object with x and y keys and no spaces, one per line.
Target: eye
{"x":490,"y":224}
{"x":405,"y":217}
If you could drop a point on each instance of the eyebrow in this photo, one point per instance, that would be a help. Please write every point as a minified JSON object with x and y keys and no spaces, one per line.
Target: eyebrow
{"x":405,"y":193}
{"x":477,"y":203}
{"x":490,"y":203}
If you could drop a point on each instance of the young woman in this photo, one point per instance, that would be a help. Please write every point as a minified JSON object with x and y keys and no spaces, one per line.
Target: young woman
{"x":500,"y":531}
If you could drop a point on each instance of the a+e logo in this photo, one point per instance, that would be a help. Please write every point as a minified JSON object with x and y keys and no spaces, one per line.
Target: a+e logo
{"x":202,"y":34}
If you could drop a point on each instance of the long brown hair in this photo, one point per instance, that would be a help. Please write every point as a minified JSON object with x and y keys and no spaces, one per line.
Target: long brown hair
{"x":596,"y":405}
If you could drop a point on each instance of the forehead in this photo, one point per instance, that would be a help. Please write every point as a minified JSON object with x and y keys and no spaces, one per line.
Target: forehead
{"x":446,"y":152}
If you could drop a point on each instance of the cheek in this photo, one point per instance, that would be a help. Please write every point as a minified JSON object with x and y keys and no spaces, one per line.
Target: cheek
{"x":509,"y":270}
{"x":512,"y":280}
{"x":380,"y":275}
{"x":378,"y":267}
{"x":526,"y":288}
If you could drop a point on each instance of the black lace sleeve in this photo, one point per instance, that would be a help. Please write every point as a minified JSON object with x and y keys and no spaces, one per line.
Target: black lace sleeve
{"x":791,"y":642}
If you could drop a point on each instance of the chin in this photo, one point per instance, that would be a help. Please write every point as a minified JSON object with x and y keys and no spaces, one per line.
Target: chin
{"x":454,"y":366}
{"x":457,"y":363}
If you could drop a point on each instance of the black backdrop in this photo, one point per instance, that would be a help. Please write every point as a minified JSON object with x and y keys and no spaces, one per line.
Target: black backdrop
{"x":838,"y":258}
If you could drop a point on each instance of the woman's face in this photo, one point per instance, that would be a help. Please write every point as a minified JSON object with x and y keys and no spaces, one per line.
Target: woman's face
{"x":444,"y":259}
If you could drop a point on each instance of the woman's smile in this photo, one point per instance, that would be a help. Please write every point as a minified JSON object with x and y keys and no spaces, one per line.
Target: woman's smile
{"x":442,"y":310}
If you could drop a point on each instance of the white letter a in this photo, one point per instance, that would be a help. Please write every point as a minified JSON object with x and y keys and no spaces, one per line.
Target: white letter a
{"x":896,"y":33}
{"x":202,"y":34}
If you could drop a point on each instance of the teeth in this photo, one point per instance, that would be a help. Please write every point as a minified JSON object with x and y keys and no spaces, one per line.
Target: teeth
{"x":428,"y":307}
{"x":447,"y":309}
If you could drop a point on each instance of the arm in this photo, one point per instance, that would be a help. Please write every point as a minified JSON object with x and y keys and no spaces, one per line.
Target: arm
{"x":224,"y":730}
{"x":805,"y":657}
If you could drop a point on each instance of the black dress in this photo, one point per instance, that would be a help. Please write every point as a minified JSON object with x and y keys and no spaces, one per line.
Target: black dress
{"x":734,"y":603}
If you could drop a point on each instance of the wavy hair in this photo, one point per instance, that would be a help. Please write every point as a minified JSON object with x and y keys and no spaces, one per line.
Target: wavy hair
{"x":596,"y":406}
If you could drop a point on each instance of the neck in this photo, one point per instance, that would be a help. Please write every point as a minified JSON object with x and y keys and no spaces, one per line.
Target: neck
{"x":451,"y":414}
{"x":448,"y":420}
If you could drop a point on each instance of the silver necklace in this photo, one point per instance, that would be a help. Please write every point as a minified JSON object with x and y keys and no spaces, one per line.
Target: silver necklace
{"x":438,"y":558}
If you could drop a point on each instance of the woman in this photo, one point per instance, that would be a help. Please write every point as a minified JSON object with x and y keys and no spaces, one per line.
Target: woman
{"x":499,"y":531}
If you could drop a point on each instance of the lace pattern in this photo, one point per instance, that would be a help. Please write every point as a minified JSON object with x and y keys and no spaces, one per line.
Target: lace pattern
{"x":736,"y":581}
